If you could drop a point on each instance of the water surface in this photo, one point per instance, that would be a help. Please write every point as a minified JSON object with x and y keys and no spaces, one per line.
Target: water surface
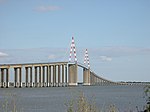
{"x":53,"y":99}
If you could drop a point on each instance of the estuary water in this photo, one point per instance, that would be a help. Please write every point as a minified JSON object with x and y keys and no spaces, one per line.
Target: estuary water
{"x":54,"y":99}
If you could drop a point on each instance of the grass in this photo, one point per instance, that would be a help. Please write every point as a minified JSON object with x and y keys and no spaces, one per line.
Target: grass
{"x":81,"y":104}
{"x":9,"y":105}
{"x":147,"y":96}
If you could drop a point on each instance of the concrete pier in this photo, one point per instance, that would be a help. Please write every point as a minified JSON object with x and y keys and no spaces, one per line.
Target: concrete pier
{"x":43,"y":81}
{"x":47,"y":76}
{"x":54,"y":75}
{"x":73,"y":72}
{"x":31,"y":84}
{"x":16,"y":77}
{"x":66,"y":76}
{"x":62,"y":76}
{"x":26,"y":78}
{"x":86,"y":77}
{"x":35,"y":76}
{"x":50,"y":80}
{"x":40,"y":76}
{"x":7,"y":77}
{"x":2,"y":78}
{"x":58,"y":75}
{"x":20,"y":77}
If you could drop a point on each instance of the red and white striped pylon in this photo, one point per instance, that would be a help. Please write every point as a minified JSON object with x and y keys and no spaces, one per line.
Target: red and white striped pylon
{"x":73,"y":51}
{"x":86,"y":59}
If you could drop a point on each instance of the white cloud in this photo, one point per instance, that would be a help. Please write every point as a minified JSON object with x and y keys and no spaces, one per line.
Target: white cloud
{"x":46,"y":8}
{"x":105,"y":58}
{"x":52,"y":56}
{"x":118,"y":51}
{"x":3,"y":54}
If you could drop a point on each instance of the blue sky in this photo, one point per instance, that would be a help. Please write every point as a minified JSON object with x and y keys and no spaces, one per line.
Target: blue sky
{"x":116,"y":33}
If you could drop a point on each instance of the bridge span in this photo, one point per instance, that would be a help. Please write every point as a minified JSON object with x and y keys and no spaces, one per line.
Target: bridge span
{"x":53,"y":74}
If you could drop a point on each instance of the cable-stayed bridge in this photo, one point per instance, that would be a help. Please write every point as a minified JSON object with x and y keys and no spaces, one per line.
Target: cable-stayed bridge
{"x":51,"y":74}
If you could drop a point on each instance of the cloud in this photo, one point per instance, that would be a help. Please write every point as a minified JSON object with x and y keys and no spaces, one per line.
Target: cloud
{"x":105,"y":58}
{"x":3,"y":54}
{"x":47,"y":8}
{"x":52,"y":56}
{"x":118,"y":51}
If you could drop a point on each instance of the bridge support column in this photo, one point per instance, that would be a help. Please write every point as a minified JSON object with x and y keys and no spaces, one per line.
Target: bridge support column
{"x":54,"y":75}
{"x":16,"y":77}
{"x":40,"y":76}
{"x":66,"y":76}
{"x":50,"y":82}
{"x":86,"y":77}
{"x":47,"y":77}
{"x":73,"y":73}
{"x":62,"y":75}
{"x":20,"y":77}
{"x":58,"y":75}
{"x":35,"y":76}
{"x":7,"y":77}
{"x":26,"y":70}
{"x":30,"y":76}
{"x":2,"y":78}
{"x":43,"y":77}
{"x":91,"y":78}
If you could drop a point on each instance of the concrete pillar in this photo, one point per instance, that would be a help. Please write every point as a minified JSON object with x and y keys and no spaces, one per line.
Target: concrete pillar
{"x":43,"y":76}
{"x":62,"y":75}
{"x":16,"y":77}
{"x":47,"y":77}
{"x":26,"y":79}
{"x":95,"y":80}
{"x":30,"y":76}
{"x":7,"y":77}
{"x":86,"y":77}
{"x":2,"y":78}
{"x":73,"y":72}
{"x":58,"y":75}
{"x":100,"y":82}
{"x":35,"y":76}
{"x":40,"y":76}
{"x":54,"y":75}
{"x":66,"y":76}
{"x":20,"y":77}
{"x":50,"y":76}
{"x":91,"y":78}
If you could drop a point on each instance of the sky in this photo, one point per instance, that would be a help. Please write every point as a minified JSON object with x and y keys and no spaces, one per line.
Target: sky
{"x":115,"y":32}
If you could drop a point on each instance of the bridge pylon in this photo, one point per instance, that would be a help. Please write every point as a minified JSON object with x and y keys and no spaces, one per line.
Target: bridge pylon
{"x":73,"y":74}
{"x":86,"y":77}
{"x":72,"y":65}
{"x":73,"y":51}
{"x":86,"y":71}
{"x":86,"y":58}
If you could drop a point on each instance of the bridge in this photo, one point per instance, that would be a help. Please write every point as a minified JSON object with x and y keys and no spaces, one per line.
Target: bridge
{"x":51,"y":74}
